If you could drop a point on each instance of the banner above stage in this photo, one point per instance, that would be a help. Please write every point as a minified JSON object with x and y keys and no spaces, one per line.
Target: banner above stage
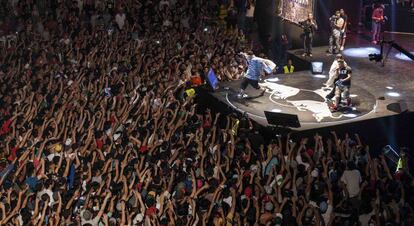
{"x":294,"y":10}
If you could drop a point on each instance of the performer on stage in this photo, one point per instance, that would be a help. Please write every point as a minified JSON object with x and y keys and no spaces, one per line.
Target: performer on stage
{"x":377,"y":20}
{"x":309,"y":27}
{"x":342,"y":85}
{"x":255,"y":67}
{"x":337,"y":24}
{"x":333,"y":75}
{"x":343,"y":30}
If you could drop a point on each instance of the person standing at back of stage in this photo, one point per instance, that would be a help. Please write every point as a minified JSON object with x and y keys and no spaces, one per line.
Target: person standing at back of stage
{"x":249,"y":21}
{"x":309,"y":27}
{"x":337,"y":23}
{"x":377,"y":20}
{"x":289,"y":68}
{"x":344,"y":28}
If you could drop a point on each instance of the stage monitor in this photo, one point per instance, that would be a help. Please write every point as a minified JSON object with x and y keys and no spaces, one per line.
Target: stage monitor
{"x":282,"y":119}
{"x":212,"y":79}
{"x":317,"y":67}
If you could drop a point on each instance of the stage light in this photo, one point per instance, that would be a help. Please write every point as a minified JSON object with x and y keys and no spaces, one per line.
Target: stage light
{"x":351,"y":115}
{"x":317,"y":67}
{"x":272,"y":80}
{"x":393,"y":94}
{"x":360,"y":52}
{"x":401,"y":56}
{"x":319,"y":76}
{"x":375,"y":57}
{"x":390,"y":153}
{"x":276,"y":110}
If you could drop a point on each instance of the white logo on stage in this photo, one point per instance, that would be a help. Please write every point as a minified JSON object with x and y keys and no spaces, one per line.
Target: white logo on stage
{"x":319,"y":109}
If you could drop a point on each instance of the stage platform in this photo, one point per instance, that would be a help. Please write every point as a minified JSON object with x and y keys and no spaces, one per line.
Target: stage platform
{"x":376,"y":91}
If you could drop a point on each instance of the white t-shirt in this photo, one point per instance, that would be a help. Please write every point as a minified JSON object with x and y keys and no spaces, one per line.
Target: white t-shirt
{"x":364,"y":218}
{"x":327,"y":215}
{"x":332,"y":72}
{"x":94,"y":221}
{"x":352,"y":179}
{"x":164,"y":2}
{"x":120,"y":20}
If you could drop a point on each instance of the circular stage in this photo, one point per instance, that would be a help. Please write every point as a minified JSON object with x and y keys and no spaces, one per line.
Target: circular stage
{"x":302,"y":96}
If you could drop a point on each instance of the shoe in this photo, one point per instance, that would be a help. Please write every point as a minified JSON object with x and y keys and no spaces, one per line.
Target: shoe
{"x":342,"y":48}
{"x":304,"y":55}
{"x":374,"y":42}
{"x":333,"y":108}
{"x":310,"y":54}
{"x":239,"y":96}
{"x":263,"y":92}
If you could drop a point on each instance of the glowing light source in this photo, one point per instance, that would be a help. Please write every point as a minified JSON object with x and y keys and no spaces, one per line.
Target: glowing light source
{"x":317,"y":67}
{"x":276,"y":110}
{"x":393,"y":94}
{"x":401,"y":56}
{"x":351,"y":115}
{"x":272,"y":80}
{"x":353,"y":95}
{"x":319,"y":76}
{"x":362,"y":52}
{"x":389,"y":87}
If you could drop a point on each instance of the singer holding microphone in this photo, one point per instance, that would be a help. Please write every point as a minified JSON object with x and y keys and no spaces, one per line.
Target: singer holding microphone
{"x":309,"y":27}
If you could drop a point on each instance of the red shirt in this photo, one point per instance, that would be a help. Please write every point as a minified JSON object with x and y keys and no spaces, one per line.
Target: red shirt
{"x":378,"y":14}
{"x":6,"y":127}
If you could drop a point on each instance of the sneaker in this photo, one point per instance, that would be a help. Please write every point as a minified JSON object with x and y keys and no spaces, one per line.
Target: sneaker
{"x":304,"y":55}
{"x":239,"y":96}
{"x":333,"y":108}
{"x":342,"y":48}
{"x":245,"y":95}
{"x":310,"y":54}
{"x":263,"y":92}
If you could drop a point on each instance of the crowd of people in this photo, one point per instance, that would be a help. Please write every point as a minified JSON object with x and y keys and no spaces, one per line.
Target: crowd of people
{"x":95,"y":131}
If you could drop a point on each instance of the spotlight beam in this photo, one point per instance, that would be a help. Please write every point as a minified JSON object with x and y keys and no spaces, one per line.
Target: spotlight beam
{"x":402,"y":50}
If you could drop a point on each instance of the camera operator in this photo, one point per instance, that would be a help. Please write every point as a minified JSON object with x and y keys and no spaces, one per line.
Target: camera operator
{"x":337,"y":23}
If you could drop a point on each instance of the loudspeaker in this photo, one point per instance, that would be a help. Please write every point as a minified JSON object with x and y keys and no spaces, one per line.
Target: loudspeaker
{"x":397,"y":107}
{"x":282,"y":119}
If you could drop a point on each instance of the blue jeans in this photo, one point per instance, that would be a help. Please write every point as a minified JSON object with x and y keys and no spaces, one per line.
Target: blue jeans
{"x":376,"y":31}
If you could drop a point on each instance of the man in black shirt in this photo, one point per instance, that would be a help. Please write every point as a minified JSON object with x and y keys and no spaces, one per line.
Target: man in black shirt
{"x":343,"y":84}
{"x":309,"y":27}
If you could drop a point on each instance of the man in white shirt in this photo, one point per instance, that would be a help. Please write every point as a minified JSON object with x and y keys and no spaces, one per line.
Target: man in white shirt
{"x":351,"y":178}
{"x":333,"y":69}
